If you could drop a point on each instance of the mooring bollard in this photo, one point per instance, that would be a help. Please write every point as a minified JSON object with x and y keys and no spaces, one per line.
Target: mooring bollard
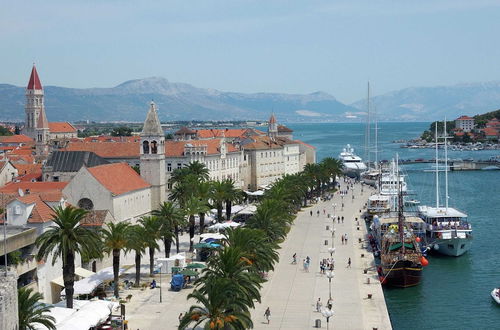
{"x":326,"y":242}
{"x":369,"y":296}
{"x":327,"y":227}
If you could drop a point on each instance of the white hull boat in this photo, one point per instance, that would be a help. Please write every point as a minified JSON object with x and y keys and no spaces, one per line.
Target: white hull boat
{"x":495,"y":294}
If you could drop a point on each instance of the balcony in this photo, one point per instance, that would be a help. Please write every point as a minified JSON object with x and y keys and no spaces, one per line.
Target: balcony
{"x":28,"y":264}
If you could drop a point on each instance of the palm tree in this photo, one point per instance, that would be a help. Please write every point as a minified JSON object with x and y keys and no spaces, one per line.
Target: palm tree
{"x":115,"y":239}
{"x":137,"y":241}
{"x":219,"y":308}
{"x":270,"y":218}
{"x":192,"y":207}
{"x":218,"y":197}
{"x":65,"y":239}
{"x":203,"y":193}
{"x":171,"y":219}
{"x":231,"y":195}
{"x":152,"y":227}
{"x":261,"y":253}
{"x":32,"y":312}
{"x":199,"y":170}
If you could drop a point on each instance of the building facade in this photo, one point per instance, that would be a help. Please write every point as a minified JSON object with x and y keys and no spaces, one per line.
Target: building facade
{"x":465,"y":123}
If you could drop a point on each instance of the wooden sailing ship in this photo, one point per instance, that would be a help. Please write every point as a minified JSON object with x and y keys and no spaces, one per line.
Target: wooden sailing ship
{"x":401,"y":258}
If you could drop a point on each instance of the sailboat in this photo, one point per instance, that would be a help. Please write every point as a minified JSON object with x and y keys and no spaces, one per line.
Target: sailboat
{"x":448,"y":231}
{"x":401,"y":259}
{"x":372,"y":175}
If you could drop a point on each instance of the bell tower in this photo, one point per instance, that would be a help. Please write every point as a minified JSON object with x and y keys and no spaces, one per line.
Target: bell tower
{"x":152,"y":161}
{"x":42,"y":135}
{"x":272,"y":128}
{"x":34,"y":104}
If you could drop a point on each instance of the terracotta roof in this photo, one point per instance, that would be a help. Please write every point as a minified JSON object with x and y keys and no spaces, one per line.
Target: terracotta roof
{"x":119,"y":178}
{"x":32,"y":177}
{"x":464,"y":118}
{"x":176,"y":148}
{"x":33,"y":187}
{"x":34,"y":82}
{"x":41,"y":212}
{"x":94,"y":218}
{"x":263,"y":143}
{"x":303,"y":143}
{"x":21,"y":151}
{"x":28,"y":159}
{"x":460,"y":133}
{"x":490,"y":131}
{"x":184,"y":130}
{"x":109,"y":138}
{"x":217,"y":133}
{"x":16,"y":139}
{"x":108,"y":149}
{"x":61,"y":127}
{"x":282,"y":128}
{"x":28,"y":168}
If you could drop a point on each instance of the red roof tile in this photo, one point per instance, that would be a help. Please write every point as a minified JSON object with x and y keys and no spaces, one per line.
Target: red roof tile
{"x":303,"y":143}
{"x":94,"y":218}
{"x":464,"y":118}
{"x":28,"y":168}
{"x":272,"y":120}
{"x":282,"y":128}
{"x":176,"y":148}
{"x":41,"y":212}
{"x":490,"y":131}
{"x":34,"y":82}
{"x":16,"y":139}
{"x":119,"y":178}
{"x":108,"y":138}
{"x":33,"y":187}
{"x":61,"y":127}
{"x":108,"y":149}
{"x":28,"y":159}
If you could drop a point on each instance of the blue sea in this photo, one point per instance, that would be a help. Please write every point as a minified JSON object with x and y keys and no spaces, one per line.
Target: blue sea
{"x":455,"y":292}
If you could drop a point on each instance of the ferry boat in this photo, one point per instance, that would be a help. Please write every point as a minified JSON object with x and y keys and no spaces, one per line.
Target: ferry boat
{"x":448,"y":231}
{"x":353,"y":166}
{"x":378,"y":204}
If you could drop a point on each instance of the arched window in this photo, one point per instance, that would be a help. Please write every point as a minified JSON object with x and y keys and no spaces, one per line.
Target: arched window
{"x":86,"y":204}
{"x":154,"y":148}
{"x":145,"y":147}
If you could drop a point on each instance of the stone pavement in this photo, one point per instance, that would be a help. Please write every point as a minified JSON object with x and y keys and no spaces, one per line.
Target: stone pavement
{"x":291,"y":293}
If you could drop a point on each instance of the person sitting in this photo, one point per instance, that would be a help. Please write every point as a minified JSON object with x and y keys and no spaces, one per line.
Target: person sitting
{"x":153,"y":284}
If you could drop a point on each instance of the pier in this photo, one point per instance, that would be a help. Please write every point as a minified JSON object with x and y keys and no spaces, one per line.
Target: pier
{"x":291,"y":292}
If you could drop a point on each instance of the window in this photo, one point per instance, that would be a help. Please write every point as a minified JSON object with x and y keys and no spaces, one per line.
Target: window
{"x":179,"y":166}
{"x":169,"y":186}
{"x":145,"y":147}
{"x":169,"y":167}
{"x":86,"y":204}
{"x":17,"y":210}
{"x":154,"y":148}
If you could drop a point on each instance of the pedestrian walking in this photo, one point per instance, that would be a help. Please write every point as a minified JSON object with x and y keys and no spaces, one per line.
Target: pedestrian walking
{"x":342,"y":216}
{"x":345,"y":239}
{"x":311,"y":212}
{"x":318,"y":305}
{"x":349,"y":263}
{"x":324,"y":211}
{"x":342,"y":239}
{"x":267,"y":314}
{"x":180,"y":317}
{"x":317,"y":212}
{"x":294,"y":260}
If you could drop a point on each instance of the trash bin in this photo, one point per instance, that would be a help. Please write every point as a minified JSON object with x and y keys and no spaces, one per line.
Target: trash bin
{"x":326,"y":242}
{"x":318,"y":323}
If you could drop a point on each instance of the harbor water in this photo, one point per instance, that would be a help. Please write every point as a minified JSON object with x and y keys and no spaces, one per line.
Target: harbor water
{"x":454,"y":292}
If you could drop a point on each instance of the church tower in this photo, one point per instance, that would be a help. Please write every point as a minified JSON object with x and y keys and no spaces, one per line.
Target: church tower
{"x":152,"y":162}
{"x":272,"y":128}
{"x":42,"y":135}
{"x":34,"y":104}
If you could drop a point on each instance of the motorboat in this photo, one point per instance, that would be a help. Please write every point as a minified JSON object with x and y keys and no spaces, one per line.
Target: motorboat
{"x":353,"y":165}
{"x":495,"y":294}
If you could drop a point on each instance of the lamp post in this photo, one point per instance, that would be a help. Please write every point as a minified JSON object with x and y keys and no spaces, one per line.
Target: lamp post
{"x":327,"y":313}
{"x":331,"y":250}
{"x":160,"y":280}
{"x":330,"y":275}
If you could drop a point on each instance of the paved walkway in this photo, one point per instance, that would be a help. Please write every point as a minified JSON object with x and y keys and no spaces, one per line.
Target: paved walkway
{"x":291,"y":293}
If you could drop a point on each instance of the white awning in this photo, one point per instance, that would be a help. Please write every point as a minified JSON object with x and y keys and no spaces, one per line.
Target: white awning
{"x":255,"y":193}
{"x":79,"y":271}
{"x":87,"y":285}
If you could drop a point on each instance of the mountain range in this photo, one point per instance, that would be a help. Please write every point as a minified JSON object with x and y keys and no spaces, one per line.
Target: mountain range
{"x":178,"y":101}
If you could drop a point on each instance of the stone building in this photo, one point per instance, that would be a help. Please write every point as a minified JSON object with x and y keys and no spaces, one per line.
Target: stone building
{"x":465,"y":123}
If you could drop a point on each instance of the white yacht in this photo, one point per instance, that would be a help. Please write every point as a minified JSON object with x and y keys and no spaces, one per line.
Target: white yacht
{"x":448,"y":231}
{"x":378,"y":204}
{"x":353,"y":165}
{"x":392,"y":181}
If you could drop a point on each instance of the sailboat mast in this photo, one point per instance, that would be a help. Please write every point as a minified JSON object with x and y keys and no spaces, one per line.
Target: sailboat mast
{"x":437,"y":165}
{"x":445,"y":165}
{"x":400,"y":209}
{"x":368,"y":130}
{"x":376,"y":136}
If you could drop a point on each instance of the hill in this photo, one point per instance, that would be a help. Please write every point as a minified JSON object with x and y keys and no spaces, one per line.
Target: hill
{"x":176,"y":101}
{"x":435,"y":103}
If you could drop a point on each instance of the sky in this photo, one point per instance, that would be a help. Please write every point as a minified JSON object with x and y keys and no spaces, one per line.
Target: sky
{"x":250,"y":46}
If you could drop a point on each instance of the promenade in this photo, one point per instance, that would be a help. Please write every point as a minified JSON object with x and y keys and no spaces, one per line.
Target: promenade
{"x":291,"y":292}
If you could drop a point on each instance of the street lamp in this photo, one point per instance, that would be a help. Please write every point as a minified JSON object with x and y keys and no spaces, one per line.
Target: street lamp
{"x":331,"y":250}
{"x":330,"y":275}
{"x":327,"y":313}
{"x":161,"y":264}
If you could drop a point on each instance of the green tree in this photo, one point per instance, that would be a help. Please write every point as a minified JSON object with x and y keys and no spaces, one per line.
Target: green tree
{"x":65,"y":239}
{"x":32,"y":312}
{"x":4,"y":131}
{"x":193,"y":207}
{"x":121,"y":131}
{"x":218,"y":197}
{"x":172,"y":219}
{"x":137,"y":241}
{"x":115,"y":238}
{"x":232,"y":194}
{"x":152,"y":227}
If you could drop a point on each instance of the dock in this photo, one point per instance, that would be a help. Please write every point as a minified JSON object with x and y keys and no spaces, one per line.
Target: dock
{"x":291,"y":293}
